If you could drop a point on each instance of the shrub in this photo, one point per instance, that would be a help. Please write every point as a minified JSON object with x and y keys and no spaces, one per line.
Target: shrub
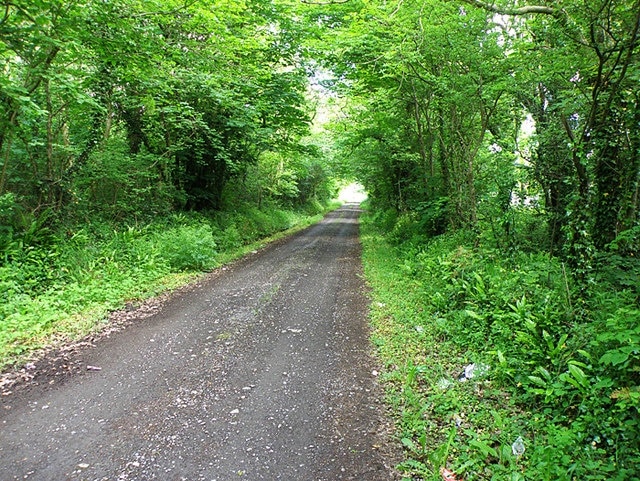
{"x":188,"y":247}
{"x":563,"y":369}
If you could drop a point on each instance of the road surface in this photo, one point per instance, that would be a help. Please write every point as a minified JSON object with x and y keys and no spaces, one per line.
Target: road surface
{"x":261,"y":371}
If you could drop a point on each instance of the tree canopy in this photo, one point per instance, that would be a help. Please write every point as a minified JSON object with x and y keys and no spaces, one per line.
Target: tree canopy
{"x":448,"y":108}
{"x":461,"y":111}
{"x":511,"y":124}
{"x":126,"y":105}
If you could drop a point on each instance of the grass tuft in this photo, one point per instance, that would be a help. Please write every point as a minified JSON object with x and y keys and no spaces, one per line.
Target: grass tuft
{"x":558,"y":382}
{"x":64,"y":289}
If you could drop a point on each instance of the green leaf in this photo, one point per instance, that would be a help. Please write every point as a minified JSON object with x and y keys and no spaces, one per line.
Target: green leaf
{"x":501,"y":357}
{"x":483,"y":447}
{"x":538,"y":381}
{"x":409,"y":444}
{"x":473,"y":314}
{"x":615,"y":357}
{"x":579,"y":375}
{"x":546,"y":374}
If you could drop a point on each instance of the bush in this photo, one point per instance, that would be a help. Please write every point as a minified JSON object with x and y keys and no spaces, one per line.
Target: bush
{"x":188,"y":248}
{"x":8,"y":207}
{"x":120,"y":187}
{"x":229,"y":238}
{"x":385,"y":220}
{"x":563,"y":369}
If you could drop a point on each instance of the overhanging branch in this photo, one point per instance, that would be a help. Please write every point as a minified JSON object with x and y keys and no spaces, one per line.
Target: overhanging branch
{"x":526,"y":10}
{"x":328,"y":2}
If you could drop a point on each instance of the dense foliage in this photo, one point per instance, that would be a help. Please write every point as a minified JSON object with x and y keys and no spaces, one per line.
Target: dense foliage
{"x":499,"y":144}
{"x":460,"y":112}
{"x":558,"y":373}
{"x":140,"y":139}
{"x":131,"y":109}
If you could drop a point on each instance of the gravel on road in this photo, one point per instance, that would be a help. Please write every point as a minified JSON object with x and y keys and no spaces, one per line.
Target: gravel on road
{"x":261,"y":371}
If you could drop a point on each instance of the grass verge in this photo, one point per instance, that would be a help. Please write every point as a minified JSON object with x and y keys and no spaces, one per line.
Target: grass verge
{"x":491,"y":372}
{"x":63,"y":287}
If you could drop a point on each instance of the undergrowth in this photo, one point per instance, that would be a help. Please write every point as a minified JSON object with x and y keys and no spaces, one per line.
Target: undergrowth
{"x":59,"y":285}
{"x":552,"y":374}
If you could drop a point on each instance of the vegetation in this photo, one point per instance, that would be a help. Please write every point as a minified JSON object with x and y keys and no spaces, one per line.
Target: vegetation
{"x":439,"y":94}
{"x":554,"y":370}
{"x":497,"y":141}
{"x":62,"y":287}
{"x":499,"y":146}
{"x":140,"y":141}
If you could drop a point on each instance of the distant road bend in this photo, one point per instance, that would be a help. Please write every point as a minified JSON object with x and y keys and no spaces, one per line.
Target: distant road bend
{"x":260,"y":372}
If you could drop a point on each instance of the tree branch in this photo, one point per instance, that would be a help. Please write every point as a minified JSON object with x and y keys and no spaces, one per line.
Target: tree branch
{"x":22,"y":10}
{"x":328,"y":2}
{"x":526,"y":10}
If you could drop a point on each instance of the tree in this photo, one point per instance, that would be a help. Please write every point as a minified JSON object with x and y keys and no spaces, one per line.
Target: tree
{"x":188,"y":94}
{"x":451,"y":77}
{"x":439,"y":72}
{"x":587,"y":93}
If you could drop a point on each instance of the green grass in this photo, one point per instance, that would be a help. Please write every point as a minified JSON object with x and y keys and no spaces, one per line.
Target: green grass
{"x":64,"y":287}
{"x":442,"y":304}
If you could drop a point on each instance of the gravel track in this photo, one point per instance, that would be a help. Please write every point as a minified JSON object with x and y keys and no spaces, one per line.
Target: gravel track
{"x":262,"y":371}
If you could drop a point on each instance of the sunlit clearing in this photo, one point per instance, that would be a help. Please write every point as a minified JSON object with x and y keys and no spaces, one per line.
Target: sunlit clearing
{"x":352,"y":193}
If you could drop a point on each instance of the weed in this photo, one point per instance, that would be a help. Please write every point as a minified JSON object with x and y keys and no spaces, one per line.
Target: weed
{"x":61,"y":285}
{"x":562,"y":382}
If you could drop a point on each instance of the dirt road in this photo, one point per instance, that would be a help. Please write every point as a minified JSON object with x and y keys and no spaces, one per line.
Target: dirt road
{"x":261,"y":372}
